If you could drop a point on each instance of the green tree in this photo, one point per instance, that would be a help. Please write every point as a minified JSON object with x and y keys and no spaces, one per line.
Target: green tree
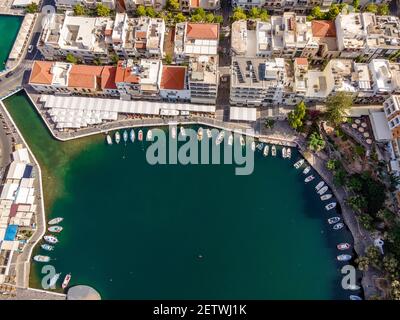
{"x":331,"y":164}
{"x":172,"y":5}
{"x":371,"y":7}
{"x":114,"y":59}
{"x":317,"y":14}
{"x":168,"y":59}
{"x":179,"y":17}
{"x":269,"y":123}
{"x":336,"y":107}
{"x":201,"y":12}
{"x":355,"y":183}
{"x":209,"y":18}
{"x":393,"y":240}
{"x":383,"y":10}
{"x":264,"y":16}
{"x":374,"y":256}
{"x":238,"y":14}
{"x":362,"y":263}
{"x":339,"y":178}
{"x":391,"y":266}
{"x":366,"y":221}
{"x":32,"y":8}
{"x":357,"y":202}
{"x":254,"y":13}
{"x":218,"y":19}
{"x":395,"y":290}
{"x":196,"y":18}
{"x":296,"y":116}
{"x":150,"y":12}
{"x":140,"y":11}
{"x":79,"y":10}
{"x":71,"y":58}
{"x":316,"y":142}
{"x":102,"y":10}
{"x":333,"y":12}
{"x":394,"y":181}
{"x":356,"y":5}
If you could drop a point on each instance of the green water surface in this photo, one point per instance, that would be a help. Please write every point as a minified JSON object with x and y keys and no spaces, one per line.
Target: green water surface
{"x":9,"y":27}
{"x":136,"y":231}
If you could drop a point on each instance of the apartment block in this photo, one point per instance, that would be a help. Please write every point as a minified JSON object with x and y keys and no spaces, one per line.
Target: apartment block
{"x":86,"y":38}
{"x":141,"y":37}
{"x":367,"y":36}
{"x":63,"y":5}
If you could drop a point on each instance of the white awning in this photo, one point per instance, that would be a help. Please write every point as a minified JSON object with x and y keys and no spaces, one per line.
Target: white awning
{"x":380,"y":126}
{"x":244,"y":114}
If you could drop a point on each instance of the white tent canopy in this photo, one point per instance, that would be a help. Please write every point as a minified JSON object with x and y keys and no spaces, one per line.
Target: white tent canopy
{"x":244,"y":114}
{"x":380,"y":126}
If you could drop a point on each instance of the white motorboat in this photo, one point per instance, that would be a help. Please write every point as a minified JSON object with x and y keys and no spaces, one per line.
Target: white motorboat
{"x":343,"y":246}
{"x":173,"y":132}
{"x":319,"y":185}
{"x":298,"y":164}
{"x":132,"y":135}
{"x":284,"y":154}
{"x":322,"y":190}
{"x":50,"y":239}
{"x":307,"y":170}
{"x":56,"y":229}
{"x":230,"y":139}
{"x":182,"y":132}
{"x":40,"y":258}
{"x":266,"y":150}
{"x":344,"y":257}
{"x":338,"y":226}
{"x":149,"y":135}
{"x":220,"y":138}
{"x":125,"y":136}
{"x":354,"y":297}
{"x":326,"y":196}
{"x":333,"y":220}
{"x":200,"y":134}
{"x":330,"y":206}
{"x":273,"y":151}
{"x":55,"y":220}
{"x":109,"y":140}
{"x":253,"y":146}
{"x":309,"y":178}
{"x":117,"y":137}
{"x":288,"y":153}
{"x":209,"y":133}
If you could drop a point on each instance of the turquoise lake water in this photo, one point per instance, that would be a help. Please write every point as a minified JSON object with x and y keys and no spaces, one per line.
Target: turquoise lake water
{"x":137,"y":231}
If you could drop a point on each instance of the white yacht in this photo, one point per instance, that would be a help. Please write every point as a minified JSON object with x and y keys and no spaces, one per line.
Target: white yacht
{"x":183,"y":132}
{"x":273,"y":151}
{"x":109,"y":140}
{"x":307,"y":170}
{"x":319,"y":185}
{"x":117,"y":137}
{"x":322,"y":190}
{"x":326,"y":196}
{"x":284,"y":154}
{"x":288,"y":153}
{"x":253,"y":146}
{"x":209,"y":133}
{"x":309,"y":178}
{"x":330,"y":206}
{"x":149,"y":135}
{"x":266,"y":150}
{"x":298,"y":164}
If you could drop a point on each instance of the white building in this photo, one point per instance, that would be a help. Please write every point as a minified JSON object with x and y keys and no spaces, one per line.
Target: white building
{"x":69,"y":4}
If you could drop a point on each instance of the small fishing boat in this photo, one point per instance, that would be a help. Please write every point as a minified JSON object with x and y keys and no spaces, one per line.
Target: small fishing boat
{"x":344,"y":257}
{"x":330,"y":206}
{"x":132,"y":135}
{"x":288,"y":153}
{"x":353,"y":287}
{"x":230,"y":139}
{"x":307,"y":170}
{"x":260,"y":146}
{"x":322,"y":190}
{"x":354,"y":297}
{"x":140,"y":135}
{"x":242,"y":142}
{"x":309,"y":178}
{"x":220,"y":138}
{"x":40,"y":258}
{"x":319,"y":185}
{"x":55,"y":220}
{"x":173,"y":132}
{"x":338,"y":226}
{"x":343,"y":246}
{"x":50,"y":239}
{"x":47,"y":247}
{"x":266,"y":150}
{"x":333,"y":220}
{"x":200,"y":134}
{"x":298,"y":164}
{"x":182,"y":131}
{"x":209,"y":133}
{"x":117,"y":137}
{"x":109,"y":140}
{"x":125,"y":136}
{"x":326,"y":196}
{"x":284,"y":154}
{"x":54,"y":280}
{"x":273,"y":151}
{"x":149,"y":135}
{"x":253,"y":146}
{"x":56,"y":229}
{"x":66,"y":281}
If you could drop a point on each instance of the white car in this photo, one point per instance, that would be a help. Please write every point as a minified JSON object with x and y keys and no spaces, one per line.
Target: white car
{"x":30,"y":48}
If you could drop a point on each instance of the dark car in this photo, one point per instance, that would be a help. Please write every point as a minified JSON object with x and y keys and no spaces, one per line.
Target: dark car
{"x":9,"y":74}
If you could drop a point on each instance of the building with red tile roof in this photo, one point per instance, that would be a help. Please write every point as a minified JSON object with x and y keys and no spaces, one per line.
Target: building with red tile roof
{"x":323,"y":28}
{"x":173,"y":85}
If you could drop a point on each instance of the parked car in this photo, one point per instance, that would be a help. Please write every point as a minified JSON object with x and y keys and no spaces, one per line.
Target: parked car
{"x":30,"y":48}
{"x":9,"y":74}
